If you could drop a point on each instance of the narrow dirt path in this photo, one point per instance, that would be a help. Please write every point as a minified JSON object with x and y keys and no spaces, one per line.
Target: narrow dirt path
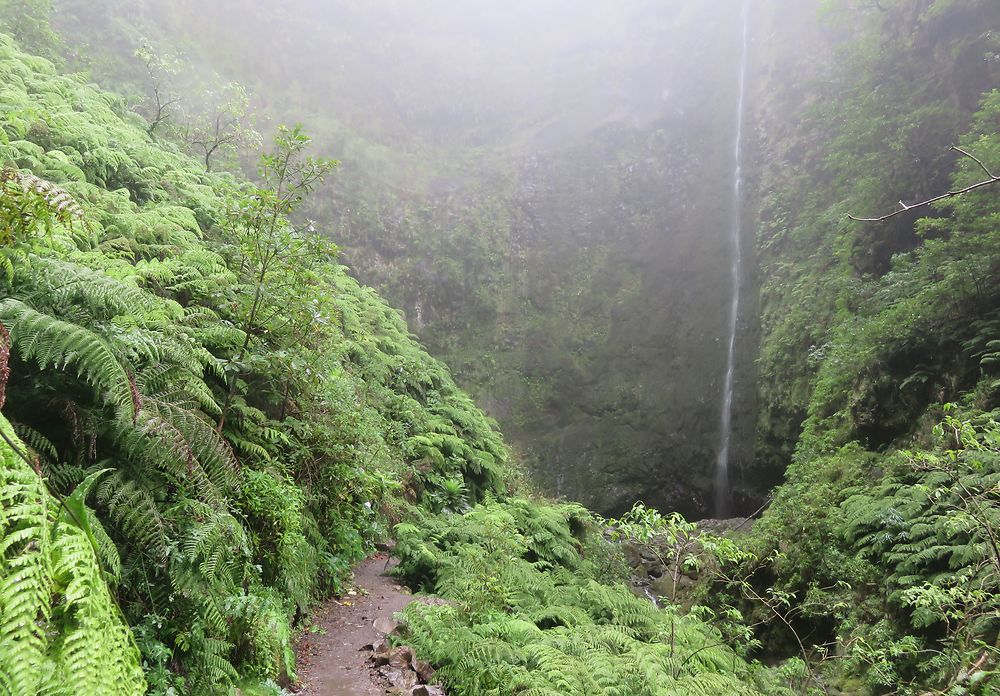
{"x":331,"y":659}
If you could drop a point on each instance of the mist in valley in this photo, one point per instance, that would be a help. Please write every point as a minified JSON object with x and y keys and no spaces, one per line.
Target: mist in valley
{"x":651,"y":347}
{"x":544,"y":189}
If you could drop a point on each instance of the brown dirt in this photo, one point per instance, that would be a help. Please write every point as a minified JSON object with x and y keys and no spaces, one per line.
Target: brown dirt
{"x":331,"y":660}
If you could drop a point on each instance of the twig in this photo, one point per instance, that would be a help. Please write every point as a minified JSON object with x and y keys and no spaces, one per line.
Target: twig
{"x":993,"y":178}
{"x":964,"y":675}
{"x":754,"y":514}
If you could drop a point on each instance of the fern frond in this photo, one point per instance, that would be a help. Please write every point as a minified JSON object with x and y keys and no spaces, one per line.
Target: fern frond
{"x":65,"y":284}
{"x":48,"y":553}
{"x":25,"y":574}
{"x":132,"y":510}
{"x":36,"y":442}
{"x":211,"y":451}
{"x":51,"y":342}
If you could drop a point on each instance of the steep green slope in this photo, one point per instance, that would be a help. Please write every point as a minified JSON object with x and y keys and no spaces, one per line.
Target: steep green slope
{"x":224,"y":405}
{"x":877,"y":126}
{"x":884,"y":526}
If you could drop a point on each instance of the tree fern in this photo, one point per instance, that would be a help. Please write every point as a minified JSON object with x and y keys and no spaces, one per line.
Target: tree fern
{"x":65,"y":284}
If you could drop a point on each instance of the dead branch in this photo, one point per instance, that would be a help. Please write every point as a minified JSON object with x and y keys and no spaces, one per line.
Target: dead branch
{"x":966,"y":674}
{"x":993,"y":178}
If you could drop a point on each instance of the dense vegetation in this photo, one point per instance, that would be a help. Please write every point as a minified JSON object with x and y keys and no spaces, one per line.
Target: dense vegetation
{"x":204,"y":414}
{"x":536,"y":608}
{"x":206,"y":420}
{"x":878,"y":355}
{"x":858,"y":319}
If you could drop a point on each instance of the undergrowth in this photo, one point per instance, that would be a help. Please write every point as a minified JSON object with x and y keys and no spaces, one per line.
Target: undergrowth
{"x":535,"y":605}
{"x":234,"y":417}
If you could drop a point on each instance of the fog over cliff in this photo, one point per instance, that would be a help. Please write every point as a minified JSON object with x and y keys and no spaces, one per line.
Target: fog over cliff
{"x":546,"y":190}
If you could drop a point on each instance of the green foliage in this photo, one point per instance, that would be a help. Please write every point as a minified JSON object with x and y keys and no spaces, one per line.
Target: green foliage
{"x":29,"y":205}
{"x":30,"y":20}
{"x":60,"y":629}
{"x":253,"y":405}
{"x":671,"y":539}
{"x":863,"y":324}
{"x":867,"y":329}
{"x":51,"y":342}
{"x":528,"y":612}
{"x":891,"y":556}
{"x":929,"y":525}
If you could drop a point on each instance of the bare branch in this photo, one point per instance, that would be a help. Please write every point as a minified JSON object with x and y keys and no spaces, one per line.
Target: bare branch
{"x":993,"y":178}
{"x":976,"y":160}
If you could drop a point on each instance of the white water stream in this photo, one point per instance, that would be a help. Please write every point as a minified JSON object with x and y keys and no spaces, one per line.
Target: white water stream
{"x":736,"y":272}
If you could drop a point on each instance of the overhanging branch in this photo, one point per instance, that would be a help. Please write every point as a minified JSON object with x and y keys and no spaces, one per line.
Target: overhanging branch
{"x":993,"y":178}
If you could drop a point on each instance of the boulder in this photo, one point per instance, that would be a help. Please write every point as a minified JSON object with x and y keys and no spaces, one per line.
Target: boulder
{"x":380,"y":653}
{"x":423,"y":670}
{"x":427,"y":690}
{"x":401,"y":657}
{"x":404,"y":679}
{"x":385,"y":625}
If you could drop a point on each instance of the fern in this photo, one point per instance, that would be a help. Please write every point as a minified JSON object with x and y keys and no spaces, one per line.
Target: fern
{"x":135,"y":513}
{"x":78,"y":643}
{"x":527,"y":614}
{"x":63,"y":284}
{"x":25,"y":575}
{"x":28,"y":203}
{"x":39,"y":445}
{"x":50,"y":342}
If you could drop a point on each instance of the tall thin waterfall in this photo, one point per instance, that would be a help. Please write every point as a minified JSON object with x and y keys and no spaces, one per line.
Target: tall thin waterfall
{"x":736,"y":272}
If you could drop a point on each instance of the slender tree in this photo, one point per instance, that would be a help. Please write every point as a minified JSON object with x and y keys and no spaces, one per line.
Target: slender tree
{"x":268,"y":246}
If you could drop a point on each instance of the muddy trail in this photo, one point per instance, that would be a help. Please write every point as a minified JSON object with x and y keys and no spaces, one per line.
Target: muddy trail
{"x":334,"y":655}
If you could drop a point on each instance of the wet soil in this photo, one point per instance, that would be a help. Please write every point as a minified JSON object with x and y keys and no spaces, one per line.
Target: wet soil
{"x":331,"y":654}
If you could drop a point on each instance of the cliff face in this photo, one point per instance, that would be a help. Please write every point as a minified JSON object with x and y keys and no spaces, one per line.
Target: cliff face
{"x":606,"y":345}
{"x":864,"y":120}
{"x":606,"y":336}
{"x":552,"y":210}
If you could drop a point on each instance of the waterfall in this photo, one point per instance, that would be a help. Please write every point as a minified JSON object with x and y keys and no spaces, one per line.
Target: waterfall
{"x":736,"y":272}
